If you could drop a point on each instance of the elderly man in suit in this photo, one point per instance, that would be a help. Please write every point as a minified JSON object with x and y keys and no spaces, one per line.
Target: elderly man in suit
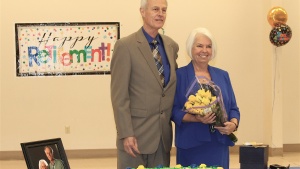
{"x":142,"y":90}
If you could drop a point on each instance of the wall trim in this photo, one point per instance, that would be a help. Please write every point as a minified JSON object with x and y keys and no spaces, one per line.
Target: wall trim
{"x":106,"y":153}
{"x":291,"y":148}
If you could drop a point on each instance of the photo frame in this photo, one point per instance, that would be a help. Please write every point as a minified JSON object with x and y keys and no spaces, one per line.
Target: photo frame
{"x":71,"y":48}
{"x":34,"y":152}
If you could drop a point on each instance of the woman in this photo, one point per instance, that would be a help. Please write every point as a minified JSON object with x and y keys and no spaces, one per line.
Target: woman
{"x":43,"y":164}
{"x":195,"y":141}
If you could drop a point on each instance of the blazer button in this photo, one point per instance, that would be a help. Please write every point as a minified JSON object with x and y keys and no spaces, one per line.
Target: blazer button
{"x":163,"y":95}
{"x":161,"y":112}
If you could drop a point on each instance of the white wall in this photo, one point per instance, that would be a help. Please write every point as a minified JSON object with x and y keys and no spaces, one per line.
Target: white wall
{"x":36,"y":108}
{"x":0,"y":76}
{"x":291,"y":69}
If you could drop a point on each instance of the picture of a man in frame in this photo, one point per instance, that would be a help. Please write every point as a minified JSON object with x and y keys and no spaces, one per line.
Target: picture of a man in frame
{"x":45,"y":154}
{"x":53,"y":162}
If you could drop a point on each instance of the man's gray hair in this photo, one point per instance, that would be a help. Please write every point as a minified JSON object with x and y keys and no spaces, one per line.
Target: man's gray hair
{"x":144,"y":3}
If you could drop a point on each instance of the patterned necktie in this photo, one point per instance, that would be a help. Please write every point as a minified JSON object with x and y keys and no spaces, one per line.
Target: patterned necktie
{"x":158,"y":62}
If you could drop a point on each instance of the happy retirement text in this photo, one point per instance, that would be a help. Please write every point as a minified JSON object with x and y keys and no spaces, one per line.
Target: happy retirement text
{"x":45,"y":53}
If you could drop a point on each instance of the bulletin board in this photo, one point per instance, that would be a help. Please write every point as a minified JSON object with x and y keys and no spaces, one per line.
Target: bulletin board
{"x":57,"y":49}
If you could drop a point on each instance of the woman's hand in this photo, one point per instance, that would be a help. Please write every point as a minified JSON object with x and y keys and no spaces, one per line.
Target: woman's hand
{"x":227,"y":129}
{"x":209,"y":118}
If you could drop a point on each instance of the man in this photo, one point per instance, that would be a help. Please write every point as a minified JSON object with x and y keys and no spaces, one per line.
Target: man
{"x":142,"y":97}
{"x":54,"y":163}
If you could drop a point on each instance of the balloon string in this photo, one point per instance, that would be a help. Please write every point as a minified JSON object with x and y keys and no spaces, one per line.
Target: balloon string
{"x":274,"y":83}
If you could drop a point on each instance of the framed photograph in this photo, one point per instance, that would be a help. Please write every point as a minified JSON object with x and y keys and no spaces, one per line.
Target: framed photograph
{"x":56,"y":49}
{"x":45,"y":153}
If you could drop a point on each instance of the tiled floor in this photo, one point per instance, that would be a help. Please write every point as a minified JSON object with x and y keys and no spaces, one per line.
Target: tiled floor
{"x":110,"y":163}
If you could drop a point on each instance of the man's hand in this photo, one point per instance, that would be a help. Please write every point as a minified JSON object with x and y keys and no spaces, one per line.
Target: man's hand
{"x":131,"y":146}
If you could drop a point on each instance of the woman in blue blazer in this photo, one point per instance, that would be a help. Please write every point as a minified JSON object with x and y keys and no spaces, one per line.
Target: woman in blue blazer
{"x":196,"y":143}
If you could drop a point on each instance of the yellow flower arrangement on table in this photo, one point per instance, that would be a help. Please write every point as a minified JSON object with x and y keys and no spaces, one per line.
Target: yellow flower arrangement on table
{"x":178,"y":166}
{"x":202,"y":166}
{"x":141,"y":167}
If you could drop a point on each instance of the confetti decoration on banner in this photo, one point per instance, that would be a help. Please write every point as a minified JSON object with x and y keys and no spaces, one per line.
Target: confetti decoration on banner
{"x":65,"y":48}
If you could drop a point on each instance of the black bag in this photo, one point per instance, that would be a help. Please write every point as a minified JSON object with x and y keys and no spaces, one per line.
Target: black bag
{"x":276,"y":166}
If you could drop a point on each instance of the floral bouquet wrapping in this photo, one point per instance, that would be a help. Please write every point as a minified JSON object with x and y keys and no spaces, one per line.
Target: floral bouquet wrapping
{"x":204,"y":96}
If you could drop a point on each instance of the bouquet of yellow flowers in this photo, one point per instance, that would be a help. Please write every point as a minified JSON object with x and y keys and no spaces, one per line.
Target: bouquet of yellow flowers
{"x":204,"y":96}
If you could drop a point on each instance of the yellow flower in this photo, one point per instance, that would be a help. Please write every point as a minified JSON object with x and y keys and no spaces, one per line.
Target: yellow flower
{"x":219,"y":167}
{"x":198,"y":98}
{"x":198,"y":111}
{"x":188,"y":105}
{"x":194,"y":111}
{"x":208,"y":94}
{"x":178,"y":166}
{"x":197,"y":104}
{"x":205,"y":101}
{"x":141,"y":167}
{"x":192,"y":98}
{"x":201,"y":92}
{"x":198,"y":101}
{"x":201,"y":112}
{"x":213,"y":98}
{"x":202,"y":166}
